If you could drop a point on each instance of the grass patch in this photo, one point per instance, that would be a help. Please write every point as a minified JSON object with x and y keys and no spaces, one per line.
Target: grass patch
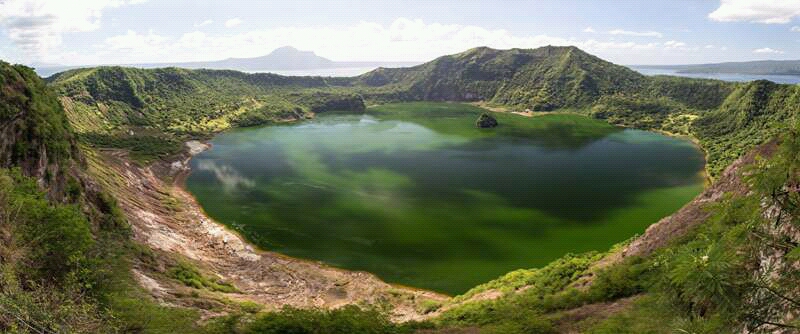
{"x":142,"y":148}
{"x":191,"y":276}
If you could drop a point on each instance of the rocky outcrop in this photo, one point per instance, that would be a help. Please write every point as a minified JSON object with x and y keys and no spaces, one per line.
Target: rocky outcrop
{"x":486,"y":121}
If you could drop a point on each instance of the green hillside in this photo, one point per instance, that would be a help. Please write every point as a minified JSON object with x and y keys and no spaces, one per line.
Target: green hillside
{"x":151,"y":111}
{"x":541,"y":79}
{"x":34,"y":132}
{"x":751,"y":115}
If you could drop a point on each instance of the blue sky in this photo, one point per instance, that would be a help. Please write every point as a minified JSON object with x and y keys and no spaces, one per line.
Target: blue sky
{"x":622,"y":31}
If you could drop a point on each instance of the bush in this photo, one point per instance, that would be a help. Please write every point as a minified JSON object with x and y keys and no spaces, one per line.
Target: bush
{"x":346,"y":320}
{"x":429,"y":306}
{"x":190,"y":276}
{"x":621,"y":280}
{"x":44,"y":272}
{"x":53,"y":238}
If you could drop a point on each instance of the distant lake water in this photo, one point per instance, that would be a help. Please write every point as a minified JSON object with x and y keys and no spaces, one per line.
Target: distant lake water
{"x":417,"y":195}
{"x":782,"y":79}
{"x":322,"y":72}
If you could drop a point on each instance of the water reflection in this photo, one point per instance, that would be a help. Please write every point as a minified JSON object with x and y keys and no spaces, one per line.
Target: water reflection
{"x":226,"y":175}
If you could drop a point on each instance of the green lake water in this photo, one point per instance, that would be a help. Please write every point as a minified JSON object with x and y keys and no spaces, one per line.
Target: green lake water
{"x":417,"y":195}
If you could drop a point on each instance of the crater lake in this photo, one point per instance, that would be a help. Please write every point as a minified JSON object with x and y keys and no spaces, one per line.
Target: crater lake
{"x":418,"y":195}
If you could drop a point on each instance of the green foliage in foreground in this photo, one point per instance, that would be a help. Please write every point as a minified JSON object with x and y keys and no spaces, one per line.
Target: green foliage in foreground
{"x":554,"y":277}
{"x":349,"y":319}
{"x":66,"y":271}
{"x":531,"y":297}
{"x":44,"y":267}
{"x":45,"y":244}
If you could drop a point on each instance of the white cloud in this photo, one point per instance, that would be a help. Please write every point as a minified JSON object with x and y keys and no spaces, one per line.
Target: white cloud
{"x":233,"y":22}
{"x":204,"y":23}
{"x":193,"y":39}
{"x":132,"y":41}
{"x":636,"y":33}
{"x":589,"y":30}
{"x":715,"y":47}
{"x":402,"y":40}
{"x":768,"y":50}
{"x":795,"y":29}
{"x":594,"y":45}
{"x":674,"y":44}
{"x":37,"y":26}
{"x":761,"y":11}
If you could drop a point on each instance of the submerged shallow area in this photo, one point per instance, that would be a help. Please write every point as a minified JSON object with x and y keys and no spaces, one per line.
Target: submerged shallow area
{"x":418,"y":195}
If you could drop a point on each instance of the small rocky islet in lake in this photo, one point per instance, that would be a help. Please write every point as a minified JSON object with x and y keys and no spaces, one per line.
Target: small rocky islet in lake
{"x":486,"y":121}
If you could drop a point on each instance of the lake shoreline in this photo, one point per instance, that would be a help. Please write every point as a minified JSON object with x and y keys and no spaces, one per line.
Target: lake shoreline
{"x":182,"y":184}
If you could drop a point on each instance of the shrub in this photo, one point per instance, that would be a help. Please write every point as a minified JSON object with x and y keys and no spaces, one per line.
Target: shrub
{"x":53,"y":238}
{"x":190,"y":276}
{"x":346,"y":320}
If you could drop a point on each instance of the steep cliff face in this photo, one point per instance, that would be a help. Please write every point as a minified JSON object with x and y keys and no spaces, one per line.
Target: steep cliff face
{"x":34,"y":132}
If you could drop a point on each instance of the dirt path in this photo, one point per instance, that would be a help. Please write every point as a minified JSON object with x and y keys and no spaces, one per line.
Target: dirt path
{"x":165,"y":217}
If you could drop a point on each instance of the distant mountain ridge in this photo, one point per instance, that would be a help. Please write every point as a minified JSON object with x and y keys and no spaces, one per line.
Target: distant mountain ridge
{"x":285,"y":58}
{"x":759,"y":67}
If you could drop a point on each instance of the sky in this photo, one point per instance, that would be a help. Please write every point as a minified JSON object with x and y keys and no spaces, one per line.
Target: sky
{"x":90,"y":32}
